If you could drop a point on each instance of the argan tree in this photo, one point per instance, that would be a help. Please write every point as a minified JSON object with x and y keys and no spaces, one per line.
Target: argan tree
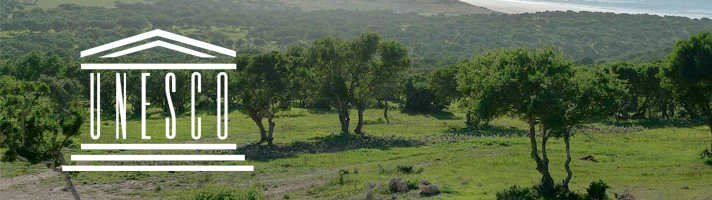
{"x":539,"y":87}
{"x":443,"y":84}
{"x":264,"y":87}
{"x":689,"y":73}
{"x":387,"y":74}
{"x":348,"y":73}
{"x":328,"y":64}
{"x":36,"y":124}
{"x":591,"y":94}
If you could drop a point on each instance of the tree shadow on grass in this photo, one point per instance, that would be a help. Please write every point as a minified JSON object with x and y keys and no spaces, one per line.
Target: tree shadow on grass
{"x":325,"y":144}
{"x":441,"y":115}
{"x":656,"y":123}
{"x":488,"y":131}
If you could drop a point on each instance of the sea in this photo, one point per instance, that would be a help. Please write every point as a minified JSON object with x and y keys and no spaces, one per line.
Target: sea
{"x":686,"y":8}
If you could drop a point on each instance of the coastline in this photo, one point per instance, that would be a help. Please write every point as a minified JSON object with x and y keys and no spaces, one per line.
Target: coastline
{"x":520,"y":6}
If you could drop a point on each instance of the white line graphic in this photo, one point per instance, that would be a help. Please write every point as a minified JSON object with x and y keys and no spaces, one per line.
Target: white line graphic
{"x":159,"y":146}
{"x":157,"y":168}
{"x":161,"y":66}
{"x":159,"y":33}
{"x":158,"y":157}
{"x":158,"y":43}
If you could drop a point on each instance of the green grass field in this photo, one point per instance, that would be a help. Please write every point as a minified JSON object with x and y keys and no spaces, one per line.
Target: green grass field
{"x":650,"y":163}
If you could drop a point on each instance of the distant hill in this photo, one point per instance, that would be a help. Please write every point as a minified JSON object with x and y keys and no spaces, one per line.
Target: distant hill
{"x":428,"y":7}
{"x":251,"y":26}
{"x":425,"y":7}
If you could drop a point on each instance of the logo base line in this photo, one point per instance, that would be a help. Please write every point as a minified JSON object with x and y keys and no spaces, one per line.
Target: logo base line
{"x":158,"y":168}
{"x":157,"y":66}
{"x":158,"y":157}
{"x":159,"y":146}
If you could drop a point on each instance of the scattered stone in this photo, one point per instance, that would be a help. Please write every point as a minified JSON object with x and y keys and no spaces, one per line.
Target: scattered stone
{"x":465,"y":183}
{"x":57,"y":189}
{"x":398,"y":185}
{"x":589,"y":158}
{"x":370,"y":196}
{"x":686,"y":187}
{"x":427,"y":188}
{"x":625,"y":196}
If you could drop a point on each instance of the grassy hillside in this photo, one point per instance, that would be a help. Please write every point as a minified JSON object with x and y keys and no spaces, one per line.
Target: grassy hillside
{"x":426,"y":7}
{"x":433,"y":41}
{"x":450,"y":7}
{"x":100,"y":3}
{"x":649,"y":162}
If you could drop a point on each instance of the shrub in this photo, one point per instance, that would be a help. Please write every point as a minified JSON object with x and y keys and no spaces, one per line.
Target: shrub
{"x":408,"y":169}
{"x":706,"y":153}
{"x":413,"y":184}
{"x":597,"y":191}
{"x":341,"y":176}
{"x":516,"y":193}
{"x":223,"y":193}
{"x":562,"y":194}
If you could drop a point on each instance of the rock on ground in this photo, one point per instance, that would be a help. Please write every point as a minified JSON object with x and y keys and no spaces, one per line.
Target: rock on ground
{"x":589,"y":158}
{"x":427,"y":188}
{"x":398,"y":185}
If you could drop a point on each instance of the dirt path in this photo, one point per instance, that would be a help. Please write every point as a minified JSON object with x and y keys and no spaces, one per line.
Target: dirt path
{"x":25,"y":179}
{"x":49,"y":185}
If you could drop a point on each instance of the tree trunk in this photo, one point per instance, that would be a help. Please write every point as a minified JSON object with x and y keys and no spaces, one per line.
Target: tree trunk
{"x":258,"y":121}
{"x":359,"y":125}
{"x":542,"y":165}
{"x":385,"y":111}
{"x":67,"y":178}
{"x":344,"y":119}
{"x":547,"y":182}
{"x":568,"y":161}
{"x":271,"y":128}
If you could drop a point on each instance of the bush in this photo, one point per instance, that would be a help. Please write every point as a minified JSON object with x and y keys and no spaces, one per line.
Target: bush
{"x":418,"y":97}
{"x":223,"y":193}
{"x":413,"y":184}
{"x":706,"y":153}
{"x":597,"y":191}
{"x":560,"y":193}
{"x":707,"y":156}
{"x":408,"y":169}
{"x":516,"y":193}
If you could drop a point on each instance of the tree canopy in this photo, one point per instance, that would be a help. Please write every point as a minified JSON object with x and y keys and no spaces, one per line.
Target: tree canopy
{"x":689,"y":73}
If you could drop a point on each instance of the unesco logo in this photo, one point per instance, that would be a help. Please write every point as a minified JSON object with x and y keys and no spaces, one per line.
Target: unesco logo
{"x":170,"y":127}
